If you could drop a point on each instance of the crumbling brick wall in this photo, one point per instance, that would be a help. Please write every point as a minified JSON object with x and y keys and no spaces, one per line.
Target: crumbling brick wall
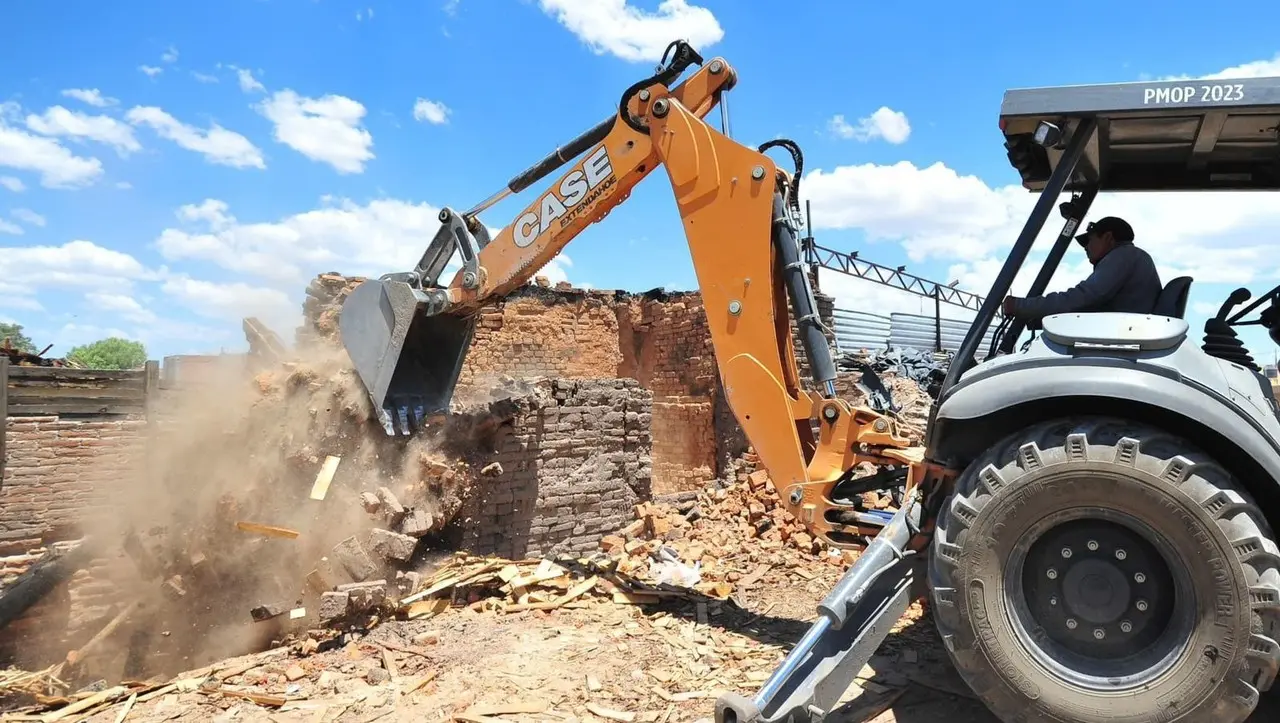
{"x":58,"y":475}
{"x":537,"y":332}
{"x":575,"y":461}
{"x":668,"y":348}
{"x":660,"y":339}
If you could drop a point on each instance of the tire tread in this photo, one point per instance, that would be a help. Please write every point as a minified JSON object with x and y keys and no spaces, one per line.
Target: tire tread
{"x":1134,"y":445}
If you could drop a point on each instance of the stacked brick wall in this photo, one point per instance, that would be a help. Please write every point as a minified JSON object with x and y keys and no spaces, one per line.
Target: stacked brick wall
{"x":61,"y":476}
{"x":544,"y":333}
{"x":575,"y":462}
{"x":58,"y":472}
{"x":668,"y":349}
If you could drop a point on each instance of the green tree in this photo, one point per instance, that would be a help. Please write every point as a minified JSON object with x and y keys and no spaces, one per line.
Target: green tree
{"x":111,"y":353}
{"x":19,"y":341}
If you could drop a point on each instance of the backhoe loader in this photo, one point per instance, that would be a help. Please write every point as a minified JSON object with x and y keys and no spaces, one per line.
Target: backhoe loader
{"x":1090,"y":516}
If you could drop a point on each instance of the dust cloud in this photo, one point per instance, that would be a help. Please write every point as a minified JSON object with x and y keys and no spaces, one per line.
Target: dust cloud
{"x":246,"y":448}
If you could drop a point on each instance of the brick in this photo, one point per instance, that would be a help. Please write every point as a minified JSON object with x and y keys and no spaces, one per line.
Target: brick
{"x":365,"y":596}
{"x":333,"y":605}
{"x":392,"y":545}
{"x":351,"y":556}
{"x":416,"y":523}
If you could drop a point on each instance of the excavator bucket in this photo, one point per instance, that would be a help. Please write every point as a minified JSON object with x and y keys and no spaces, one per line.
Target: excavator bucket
{"x":407,"y":350}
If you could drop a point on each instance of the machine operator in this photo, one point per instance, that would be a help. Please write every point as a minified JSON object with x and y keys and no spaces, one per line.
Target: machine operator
{"x":1124,"y":278}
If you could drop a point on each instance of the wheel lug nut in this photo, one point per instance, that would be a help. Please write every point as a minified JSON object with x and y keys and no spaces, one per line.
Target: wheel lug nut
{"x":1051,"y":573}
{"x":1099,"y":633}
{"x":1066,"y":552}
{"x":1141,"y":605}
{"x":1093,"y":545}
{"x":1053,"y":600}
{"x":1121,"y":554}
{"x":1071,"y":623}
{"x":1139,"y":577}
{"x":1126,"y":626}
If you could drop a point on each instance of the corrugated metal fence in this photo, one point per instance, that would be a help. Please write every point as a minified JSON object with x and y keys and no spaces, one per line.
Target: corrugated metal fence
{"x":861,"y":330}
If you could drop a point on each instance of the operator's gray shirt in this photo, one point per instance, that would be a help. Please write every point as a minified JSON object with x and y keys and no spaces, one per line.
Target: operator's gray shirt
{"x":1124,"y":280}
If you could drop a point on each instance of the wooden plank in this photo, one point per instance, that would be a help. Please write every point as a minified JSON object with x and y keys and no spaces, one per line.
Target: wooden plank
{"x":80,"y":406}
{"x":4,"y":411}
{"x":28,"y":394}
{"x":90,"y":702}
{"x":21,"y":379}
{"x":39,"y":391}
{"x":268,"y":530}
{"x":151,"y":391}
{"x":321,"y":486}
{"x":66,"y":374}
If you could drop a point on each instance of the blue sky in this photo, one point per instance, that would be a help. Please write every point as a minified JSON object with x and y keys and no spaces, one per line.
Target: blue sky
{"x":168,"y":168}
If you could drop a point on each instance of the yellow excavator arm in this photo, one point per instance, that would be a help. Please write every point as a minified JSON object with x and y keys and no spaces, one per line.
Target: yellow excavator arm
{"x":407,"y":335}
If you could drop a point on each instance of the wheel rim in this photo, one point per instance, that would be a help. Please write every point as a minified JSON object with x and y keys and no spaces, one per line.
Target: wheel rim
{"x":1099,"y":599}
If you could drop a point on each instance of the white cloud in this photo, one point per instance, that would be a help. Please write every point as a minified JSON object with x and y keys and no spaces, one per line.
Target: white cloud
{"x":27,"y":216}
{"x":81,"y":265}
{"x":248,"y":83}
{"x":170,"y":55}
{"x":325,"y":129}
{"x":150,"y":70}
{"x":359,"y":239}
{"x":124,"y":305}
{"x":10,"y":228}
{"x":24,"y":303}
{"x":932,"y":211}
{"x":885,"y":124}
{"x":450,"y":7}
{"x":556,"y":270}
{"x":93,"y":97}
{"x":58,"y":166}
{"x":431,"y":111}
{"x":632,"y":34}
{"x":234,"y":301}
{"x":72,"y":335}
{"x":13,"y":184}
{"x":1254,"y":69}
{"x":217,"y":144}
{"x":204,"y":77}
{"x":936,"y":213}
{"x":58,"y":121}
{"x":124,"y":185}
{"x":210,"y":211}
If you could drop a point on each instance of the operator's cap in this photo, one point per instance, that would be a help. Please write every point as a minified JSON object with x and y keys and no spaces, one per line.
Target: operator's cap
{"x":1117,"y":226}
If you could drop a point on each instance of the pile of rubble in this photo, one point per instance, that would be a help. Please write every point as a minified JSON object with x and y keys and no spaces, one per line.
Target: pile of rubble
{"x":708,"y":554}
{"x":261,"y":500}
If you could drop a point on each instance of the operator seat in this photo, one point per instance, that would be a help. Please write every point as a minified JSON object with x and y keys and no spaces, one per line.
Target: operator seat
{"x":1173,"y":298}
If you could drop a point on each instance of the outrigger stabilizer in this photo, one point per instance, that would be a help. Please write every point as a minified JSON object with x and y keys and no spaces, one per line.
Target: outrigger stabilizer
{"x":853,"y":620}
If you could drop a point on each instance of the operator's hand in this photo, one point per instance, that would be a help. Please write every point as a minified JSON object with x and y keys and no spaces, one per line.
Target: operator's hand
{"x":1007,"y":307}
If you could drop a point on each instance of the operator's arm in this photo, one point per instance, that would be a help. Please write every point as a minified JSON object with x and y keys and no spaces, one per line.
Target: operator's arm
{"x":1108,"y":277}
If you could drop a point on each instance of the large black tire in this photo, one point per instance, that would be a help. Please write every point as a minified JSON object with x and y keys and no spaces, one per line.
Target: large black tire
{"x":1225,"y":566}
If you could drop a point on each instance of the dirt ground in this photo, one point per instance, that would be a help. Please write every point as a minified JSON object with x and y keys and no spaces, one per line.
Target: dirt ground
{"x":604,"y":662}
